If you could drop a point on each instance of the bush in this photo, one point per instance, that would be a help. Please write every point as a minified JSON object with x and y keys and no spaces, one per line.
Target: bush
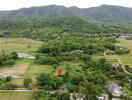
{"x":7,"y":59}
{"x":8,"y":86}
{"x":85,"y":57}
{"x":8,"y":78}
{"x":47,"y":60}
{"x":42,"y":95}
{"x":121,"y":50}
{"x":64,"y":96}
{"x":72,"y":88}
{"x":27,"y":82}
{"x":14,"y":55}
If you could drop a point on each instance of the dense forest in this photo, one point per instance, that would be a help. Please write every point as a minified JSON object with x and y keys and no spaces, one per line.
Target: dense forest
{"x":48,"y":28}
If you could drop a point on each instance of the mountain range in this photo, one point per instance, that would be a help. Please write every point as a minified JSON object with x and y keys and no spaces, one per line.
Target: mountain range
{"x":103,"y":13}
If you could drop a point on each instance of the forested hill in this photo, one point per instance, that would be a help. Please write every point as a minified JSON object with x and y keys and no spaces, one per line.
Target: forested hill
{"x":103,"y":13}
{"x":48,"y":28}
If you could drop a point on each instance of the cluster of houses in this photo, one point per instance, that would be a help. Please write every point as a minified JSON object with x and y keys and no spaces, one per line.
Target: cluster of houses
{"x":128,"y":36}
{"x":116,"y":91}
{"x":114,"y":88}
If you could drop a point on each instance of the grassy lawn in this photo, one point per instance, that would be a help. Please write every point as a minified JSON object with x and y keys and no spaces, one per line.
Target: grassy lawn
{"x":24,"y":61}
{"x":127,"y":58}
{"x":110,"y":58}
{"x":15,"y":95}
{"x":37,"y":69}
{"x":18,"y":81}
{"x":19,"y":45}
{"x":128,"y":91}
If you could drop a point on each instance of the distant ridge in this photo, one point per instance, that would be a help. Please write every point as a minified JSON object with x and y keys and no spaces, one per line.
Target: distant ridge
{"x":103,"y":13}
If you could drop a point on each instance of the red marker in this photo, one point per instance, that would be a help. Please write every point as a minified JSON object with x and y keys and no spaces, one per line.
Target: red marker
{"x":59,"y":72}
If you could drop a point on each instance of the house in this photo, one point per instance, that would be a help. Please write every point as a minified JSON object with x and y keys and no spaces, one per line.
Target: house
{"x":103,"y":97}
{"x":128,"y":36}
{"x":115,"y":89}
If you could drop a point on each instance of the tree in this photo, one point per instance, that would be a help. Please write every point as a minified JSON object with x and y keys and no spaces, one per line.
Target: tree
{"x":50,"y":80}
{"x":64,"y":96}
{"x":8,"y":78}
{"x":27,"y":82}
{"x":14,"y":55}
{"x":46,"y":60}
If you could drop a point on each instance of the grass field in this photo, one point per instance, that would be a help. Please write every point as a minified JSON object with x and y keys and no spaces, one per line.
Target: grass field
{"x":32,"y":70}
{"x":37,"y":69}
{"x":19,"y":45}
{"x":15,"y":95}
{"x":111,"y":59}
{"x":125,"y":58}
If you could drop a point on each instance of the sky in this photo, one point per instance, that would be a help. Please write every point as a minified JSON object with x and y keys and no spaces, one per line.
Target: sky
{"x":17,"y":4}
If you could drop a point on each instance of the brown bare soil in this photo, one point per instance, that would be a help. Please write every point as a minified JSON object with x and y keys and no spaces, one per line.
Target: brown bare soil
{"x":14,"y":71}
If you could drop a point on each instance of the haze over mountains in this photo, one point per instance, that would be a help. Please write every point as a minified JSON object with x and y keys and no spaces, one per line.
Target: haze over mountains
{"x":103,"y":13}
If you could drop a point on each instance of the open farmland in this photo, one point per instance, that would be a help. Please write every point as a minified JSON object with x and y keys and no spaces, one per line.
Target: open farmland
{"x":15,"y":95}
{"x":19,"y":45}
{"x":126,"y":59}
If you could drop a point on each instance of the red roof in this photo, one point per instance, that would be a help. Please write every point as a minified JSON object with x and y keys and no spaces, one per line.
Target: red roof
{"x":59,"y":72}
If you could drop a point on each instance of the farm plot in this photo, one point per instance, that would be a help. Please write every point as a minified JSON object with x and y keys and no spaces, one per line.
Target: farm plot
{"x":19,"y":45}
{"x":15,"y":95}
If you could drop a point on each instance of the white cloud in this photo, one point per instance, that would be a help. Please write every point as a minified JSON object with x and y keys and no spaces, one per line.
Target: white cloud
{"x":16,"y":4}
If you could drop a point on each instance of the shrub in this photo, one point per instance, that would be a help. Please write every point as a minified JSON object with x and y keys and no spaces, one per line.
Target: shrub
{"x":27,"y":82}
{"x":8,"y":86}
{"x":50,"y":80}
{"x":64,"y":96}
{"x":8,"y":78}
{"x":47,"y":60}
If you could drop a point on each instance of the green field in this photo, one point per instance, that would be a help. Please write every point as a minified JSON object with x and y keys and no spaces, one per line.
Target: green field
{"x":32,"y":70}
{"x":15,"y":95}
{"x":111,"y":59}
{"x":19,"y":45}
{"x":37,"y":69}
{"x":125,"y":58}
